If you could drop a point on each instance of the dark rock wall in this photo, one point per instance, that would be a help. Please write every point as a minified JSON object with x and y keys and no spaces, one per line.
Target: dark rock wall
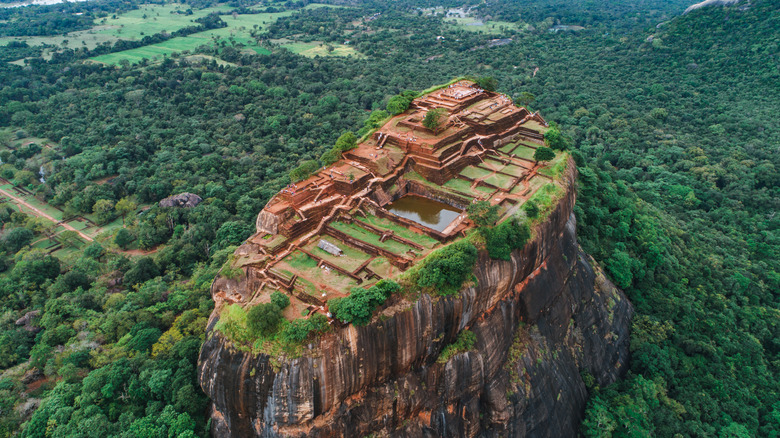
{"x":541,"y":321}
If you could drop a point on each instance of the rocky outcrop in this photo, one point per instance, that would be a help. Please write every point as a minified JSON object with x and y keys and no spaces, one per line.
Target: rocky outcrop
{"x":542,"y":321}
{"x":706,"y":3}
{"x":187,"y":200}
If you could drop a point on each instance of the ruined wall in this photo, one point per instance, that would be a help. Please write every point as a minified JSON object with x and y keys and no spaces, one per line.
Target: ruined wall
{"x":540,"y":320}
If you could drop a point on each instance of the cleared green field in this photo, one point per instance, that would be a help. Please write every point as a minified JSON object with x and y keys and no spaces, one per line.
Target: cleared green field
{"x":315,"y":48}
{"x":152,"y":19}
{"x":492,"y":27}
{"x":132,"y":26}
{"x":238,"y":30}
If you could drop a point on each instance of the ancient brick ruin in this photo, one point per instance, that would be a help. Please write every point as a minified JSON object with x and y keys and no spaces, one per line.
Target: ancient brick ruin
{"x":483,"y":150}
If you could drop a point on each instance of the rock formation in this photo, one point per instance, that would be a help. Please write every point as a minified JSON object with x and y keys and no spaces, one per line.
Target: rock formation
{"x":186,"y":200}
{"x":707,"y":3}
{"x":543,"y":321}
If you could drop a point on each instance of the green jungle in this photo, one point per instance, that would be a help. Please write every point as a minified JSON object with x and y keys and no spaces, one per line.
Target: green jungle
{"x":672,"y":119}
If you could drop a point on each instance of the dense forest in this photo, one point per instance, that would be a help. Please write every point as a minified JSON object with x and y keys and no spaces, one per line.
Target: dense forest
{"x":674,"y":129}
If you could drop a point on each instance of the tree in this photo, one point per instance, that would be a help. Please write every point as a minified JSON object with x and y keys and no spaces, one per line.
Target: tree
{"x":400,"y":103}
{"x":531,"y":208}
{"x":280,"y":300}
{"x":445,"y":269}
{"x":346,"y":141}
{"x":359,"y":306}
{"x":125,"y":206}
{"x":263,"y":318}
{"x":94,"y":251}
{"x":482,"y":213}
{"x":305,"y":170}
{"x":123,"y":238}
{"x":17,"y":238}
{"x":525,"y":98}
{"x":104,"y":210}
{"x":544,"y":153}
{"x":555,"y":139}
{"x":143,"y":270}
{"x":488,"y":83}
{"x":433,"y":119}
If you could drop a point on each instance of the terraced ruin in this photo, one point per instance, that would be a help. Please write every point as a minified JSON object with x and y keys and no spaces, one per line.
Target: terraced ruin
{"x":390,"y":201}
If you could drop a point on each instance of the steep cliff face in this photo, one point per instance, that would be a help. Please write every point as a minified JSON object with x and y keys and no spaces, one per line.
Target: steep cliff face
{"x":542,"y":321}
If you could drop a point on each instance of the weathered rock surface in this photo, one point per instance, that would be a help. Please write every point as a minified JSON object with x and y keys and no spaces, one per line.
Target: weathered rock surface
{"x":542,"y":320}
{"x":707,"y":3}
{"x":185,"y":199}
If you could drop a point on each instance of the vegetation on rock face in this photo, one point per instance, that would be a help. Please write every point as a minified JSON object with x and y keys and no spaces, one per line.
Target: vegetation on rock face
{"x":465,"y":342}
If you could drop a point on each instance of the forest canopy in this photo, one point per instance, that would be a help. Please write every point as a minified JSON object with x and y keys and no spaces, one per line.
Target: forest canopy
{"x":671,"y":119}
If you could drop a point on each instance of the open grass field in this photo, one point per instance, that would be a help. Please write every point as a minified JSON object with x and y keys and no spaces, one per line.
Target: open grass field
{"x":132,"y":26}
{"x":152,"y":19}
{"x":507,"y":148}
{"x":537,"y":182}
{"x":238,"y":30}
{"x":316,"y":48}
{"x":490,"y":27}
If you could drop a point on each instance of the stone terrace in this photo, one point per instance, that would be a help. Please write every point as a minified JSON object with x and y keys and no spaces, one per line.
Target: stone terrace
{"x":482,"y":151}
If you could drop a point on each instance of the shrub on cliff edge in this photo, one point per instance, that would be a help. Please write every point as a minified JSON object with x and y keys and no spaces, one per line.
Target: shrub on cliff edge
{"x":358,"y":307}
{"x":263,"y":318}
{"x":444,"y":270}
{"x":502,"y":239}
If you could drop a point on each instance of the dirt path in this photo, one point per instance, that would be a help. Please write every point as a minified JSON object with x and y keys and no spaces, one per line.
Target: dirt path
{"x":39,"y":213}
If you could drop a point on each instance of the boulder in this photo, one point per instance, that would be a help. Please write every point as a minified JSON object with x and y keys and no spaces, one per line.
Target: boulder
{"x":187,"y":200}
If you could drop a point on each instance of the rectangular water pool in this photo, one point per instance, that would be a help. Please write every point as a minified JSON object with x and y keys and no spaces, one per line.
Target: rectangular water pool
{"x":424,"y":211}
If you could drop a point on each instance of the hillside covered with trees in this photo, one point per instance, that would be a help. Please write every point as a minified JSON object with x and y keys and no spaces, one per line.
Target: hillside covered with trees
{"x":671,"y":119}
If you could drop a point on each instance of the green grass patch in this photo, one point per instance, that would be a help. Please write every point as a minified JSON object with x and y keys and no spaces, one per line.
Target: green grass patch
{"x":382,"y":267}
{"x":237,"y":31}
{"x":351,"y":260}
{"x":460,"y":185}
{"x":556,"y":167}
{"x":514,"y":170}
{"x":500,"y":180}
{"x":473,"y":24}
{"x":361,"y":233}
{"x":475,"y":172}
{"x":299,"y":260}
{"x":399,"y":230}
{"x":524,"y":152}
